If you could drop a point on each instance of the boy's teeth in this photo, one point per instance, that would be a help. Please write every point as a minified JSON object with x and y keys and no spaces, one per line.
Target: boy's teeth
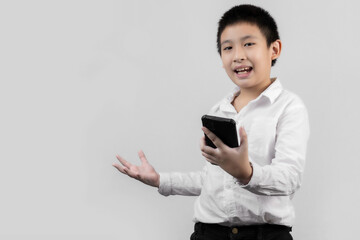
{"x":243,"y":69}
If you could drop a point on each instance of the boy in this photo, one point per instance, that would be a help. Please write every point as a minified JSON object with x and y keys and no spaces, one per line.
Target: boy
{"x":244,"y":192}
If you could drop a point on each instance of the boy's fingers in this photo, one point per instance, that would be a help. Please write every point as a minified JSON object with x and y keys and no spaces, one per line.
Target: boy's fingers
{"x":120,"y":168}
{"x":132,"y":173}
{"x":243,"y":136}
{"x":123,"y":161}
{"x":202,"y":142}
{"x":217,"y":142}
{"x":209,"y":157}
{"x":206,"y":149}
{"x":209,"y":150}
{"x":142,"y":157}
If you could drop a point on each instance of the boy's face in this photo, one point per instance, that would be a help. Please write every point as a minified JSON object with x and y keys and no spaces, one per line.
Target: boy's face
{"x":246,"y":57}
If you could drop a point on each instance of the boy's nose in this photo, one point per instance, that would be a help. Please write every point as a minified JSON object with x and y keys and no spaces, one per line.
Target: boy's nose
{"x":239,"y":55}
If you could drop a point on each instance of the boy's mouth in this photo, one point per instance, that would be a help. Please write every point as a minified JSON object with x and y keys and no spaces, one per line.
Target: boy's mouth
{"x":241,"y":70}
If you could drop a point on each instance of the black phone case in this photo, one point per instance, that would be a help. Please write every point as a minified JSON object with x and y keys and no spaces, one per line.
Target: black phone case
{"x":223,"y":128}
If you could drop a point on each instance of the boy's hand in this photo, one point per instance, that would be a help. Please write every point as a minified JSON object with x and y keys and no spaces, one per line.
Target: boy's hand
{"x":235,"y":161}
{"x":144,"y":173}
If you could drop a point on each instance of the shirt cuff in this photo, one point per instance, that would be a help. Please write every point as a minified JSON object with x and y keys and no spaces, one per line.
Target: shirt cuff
{"x":255,"y":178}
{"x":165,"y":184}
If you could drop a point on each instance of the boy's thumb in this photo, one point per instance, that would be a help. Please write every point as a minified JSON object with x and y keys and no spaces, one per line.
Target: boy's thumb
{"x":243,"y":136}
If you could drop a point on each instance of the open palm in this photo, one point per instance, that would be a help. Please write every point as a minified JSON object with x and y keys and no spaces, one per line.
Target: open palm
{"x":144,"y":173}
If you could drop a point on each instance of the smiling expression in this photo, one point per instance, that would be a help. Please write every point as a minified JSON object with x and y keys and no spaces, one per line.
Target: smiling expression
{"x":246,"y":56}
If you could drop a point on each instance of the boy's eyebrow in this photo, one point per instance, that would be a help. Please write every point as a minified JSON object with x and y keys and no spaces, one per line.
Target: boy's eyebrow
{"x":241,"y":39}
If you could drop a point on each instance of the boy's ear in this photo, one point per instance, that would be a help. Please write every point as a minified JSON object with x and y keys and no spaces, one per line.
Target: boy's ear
{"x":276,"y":49}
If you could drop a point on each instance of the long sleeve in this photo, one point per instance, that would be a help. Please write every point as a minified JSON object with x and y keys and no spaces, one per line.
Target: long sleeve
{"x":283,"y":176}
{"x":187,"y":184}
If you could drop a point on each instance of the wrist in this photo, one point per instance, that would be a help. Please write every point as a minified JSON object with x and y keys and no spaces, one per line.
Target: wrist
{"x":157,"y":182}
{"x":247,"y":174}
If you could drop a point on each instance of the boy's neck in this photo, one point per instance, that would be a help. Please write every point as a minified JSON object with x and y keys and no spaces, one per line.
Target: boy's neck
{"x":256,"y":91}
{"x":248,"y":94}
{"x":252,"y":93}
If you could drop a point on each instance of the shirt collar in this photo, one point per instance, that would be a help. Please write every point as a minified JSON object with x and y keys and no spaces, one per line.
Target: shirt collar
{"x":271,"y":93}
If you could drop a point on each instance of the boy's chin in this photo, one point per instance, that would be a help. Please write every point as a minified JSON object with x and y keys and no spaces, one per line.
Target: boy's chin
{"x":242,"y":83}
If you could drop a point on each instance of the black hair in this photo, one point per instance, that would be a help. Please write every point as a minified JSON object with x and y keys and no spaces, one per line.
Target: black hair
{"x":253,"y":15}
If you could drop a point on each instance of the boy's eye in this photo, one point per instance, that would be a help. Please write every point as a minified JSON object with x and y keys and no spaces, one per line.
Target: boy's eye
{"x":248,"y":44}
{"x":227,"y":48}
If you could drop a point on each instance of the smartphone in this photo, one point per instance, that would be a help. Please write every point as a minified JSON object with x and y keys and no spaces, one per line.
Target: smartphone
{"x":223,"y":128}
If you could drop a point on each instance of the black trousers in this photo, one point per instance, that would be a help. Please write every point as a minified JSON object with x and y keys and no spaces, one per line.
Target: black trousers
{"x":205,"y":231}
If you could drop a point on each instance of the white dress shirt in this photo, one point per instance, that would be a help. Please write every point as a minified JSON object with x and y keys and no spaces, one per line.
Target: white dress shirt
{"x":277,"y":126}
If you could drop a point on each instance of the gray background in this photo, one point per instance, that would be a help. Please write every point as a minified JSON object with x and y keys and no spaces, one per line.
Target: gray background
{"x":82,"y":81}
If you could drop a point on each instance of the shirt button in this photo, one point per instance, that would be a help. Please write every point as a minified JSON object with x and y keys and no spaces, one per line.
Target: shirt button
{"x":235,"y":231}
